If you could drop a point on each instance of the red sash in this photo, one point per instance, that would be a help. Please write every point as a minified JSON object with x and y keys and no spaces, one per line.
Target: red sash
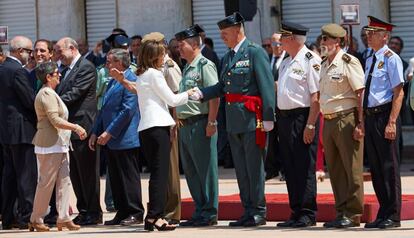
{"x":253,"y":104}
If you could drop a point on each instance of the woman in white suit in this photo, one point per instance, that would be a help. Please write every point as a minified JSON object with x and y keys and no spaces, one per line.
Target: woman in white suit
{"x":154,"y":96}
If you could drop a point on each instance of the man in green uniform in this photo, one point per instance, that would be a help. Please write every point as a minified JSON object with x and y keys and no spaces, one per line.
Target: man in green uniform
{"x":247,"y":84}
{"x":197,"y":133}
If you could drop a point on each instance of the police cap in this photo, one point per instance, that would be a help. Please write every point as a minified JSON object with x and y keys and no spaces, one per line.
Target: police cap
{"x":234,"y":19}
{"x":290,"y":28}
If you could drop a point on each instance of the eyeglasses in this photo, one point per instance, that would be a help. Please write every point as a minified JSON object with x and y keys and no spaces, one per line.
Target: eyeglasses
{"x":29,"y":51}
{"x":276,"y":44}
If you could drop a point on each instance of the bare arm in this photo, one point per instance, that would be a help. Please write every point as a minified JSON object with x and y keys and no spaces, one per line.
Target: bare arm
{"x":391,"y":128}
{"x":213,"y":106}
{"x":309,"y":134}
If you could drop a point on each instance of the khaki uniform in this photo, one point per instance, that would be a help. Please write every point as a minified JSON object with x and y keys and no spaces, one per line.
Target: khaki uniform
{"x":172,"y":74}
{"x":344,"y":155}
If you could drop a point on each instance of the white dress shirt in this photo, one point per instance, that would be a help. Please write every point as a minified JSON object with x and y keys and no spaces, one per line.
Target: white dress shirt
{"x":298,"y":79}
{"x":154,"y":96}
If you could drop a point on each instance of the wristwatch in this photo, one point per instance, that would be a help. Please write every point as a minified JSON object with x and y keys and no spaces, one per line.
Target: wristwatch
{"x":310,"y":127}
{"x":212,"y":123}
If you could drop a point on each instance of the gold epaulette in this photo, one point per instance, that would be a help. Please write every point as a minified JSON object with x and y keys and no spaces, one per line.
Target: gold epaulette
{"x":346,"y":58}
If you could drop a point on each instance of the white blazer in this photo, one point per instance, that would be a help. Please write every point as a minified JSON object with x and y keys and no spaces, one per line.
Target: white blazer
{"x":154,"y":96}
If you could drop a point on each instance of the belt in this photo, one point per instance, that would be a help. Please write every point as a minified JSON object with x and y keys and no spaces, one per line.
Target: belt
{"x":193,"y":119}
{"x":375,"y":110}
{"x":291,"y":112}
{"x":338,"y":114}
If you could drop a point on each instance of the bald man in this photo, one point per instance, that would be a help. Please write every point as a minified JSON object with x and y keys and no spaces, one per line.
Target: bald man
{"x":17,"y":128}
{"x":77,"y":90}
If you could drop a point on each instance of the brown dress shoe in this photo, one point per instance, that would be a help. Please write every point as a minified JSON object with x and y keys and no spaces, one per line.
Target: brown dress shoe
{"x":39,"y":227}
{"x":69,"y":225}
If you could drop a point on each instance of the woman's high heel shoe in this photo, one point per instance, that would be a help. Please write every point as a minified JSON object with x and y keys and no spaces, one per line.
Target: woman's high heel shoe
{"x":69,"y":225}
{"x":159,"y":223}
{"x":39,"y":227}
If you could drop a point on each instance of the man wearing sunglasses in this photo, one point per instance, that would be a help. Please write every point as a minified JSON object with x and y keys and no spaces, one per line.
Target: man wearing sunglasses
{"x":17,"y":128}
{"x":382,"y":103}
{"x":341,"y":87}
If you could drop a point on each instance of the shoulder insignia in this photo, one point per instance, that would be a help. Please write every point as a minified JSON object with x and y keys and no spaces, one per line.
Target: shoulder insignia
{"x":170,"y":63}
{"x":203,"y":61}
{"x":346,"y":58}
{"x":309,"y":55}
{"x":388,"y":53}
{"x":316,"y":67}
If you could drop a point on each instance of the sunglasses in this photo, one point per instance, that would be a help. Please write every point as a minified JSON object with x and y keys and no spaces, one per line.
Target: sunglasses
{"x":325,"y":37}
{"x":276,"y":44}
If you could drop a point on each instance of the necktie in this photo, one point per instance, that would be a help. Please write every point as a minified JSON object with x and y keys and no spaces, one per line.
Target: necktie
{"x":368,"y":84}
{"x":232,"y":53}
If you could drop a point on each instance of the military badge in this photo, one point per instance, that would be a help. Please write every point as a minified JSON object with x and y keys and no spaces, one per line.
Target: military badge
{"x":316,"y":67}
{"x":346,"y":58}
{"x":381,"y":65}
{"x":298,"y":71}
{"x":243,"y":64}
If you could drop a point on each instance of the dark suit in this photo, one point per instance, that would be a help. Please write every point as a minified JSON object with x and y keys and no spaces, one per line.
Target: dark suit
{"x":78,"y":92}
{"x":212,"y":56}
{"x":17,"y":128}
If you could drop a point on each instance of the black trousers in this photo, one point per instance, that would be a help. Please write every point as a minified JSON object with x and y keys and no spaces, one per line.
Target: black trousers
{"x":298,"y":161}
{"x":1,"y":172}
{"x":273,"y":162}
{"x":19,"y":182}
{"x":156,"y":145}
{"x":125,"y":181}
{"x":84,"y":174}
{"x":384,"y":160}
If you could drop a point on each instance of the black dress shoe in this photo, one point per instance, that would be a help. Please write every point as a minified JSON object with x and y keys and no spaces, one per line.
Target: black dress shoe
{"x":304,"y":221}
{"x":173,"y":222}
{"x":132,"y":220}
{"x":203,"y":222}
{"x":373,"y":224}
{"x":288,"y":223}
{"x":345,"y":222}
{"x":188,"y":223}
{"x":239,"y":222}
{"x":257,"y":221}
{"x":388,"y":223}
{"x":79,"y":218}
{"x":113,"y":222}
{"x":271,"y":175}
{"x":88,"y":220}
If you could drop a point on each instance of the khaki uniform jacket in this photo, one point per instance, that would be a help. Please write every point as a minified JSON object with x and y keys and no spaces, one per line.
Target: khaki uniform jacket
{"x":50,"y":111}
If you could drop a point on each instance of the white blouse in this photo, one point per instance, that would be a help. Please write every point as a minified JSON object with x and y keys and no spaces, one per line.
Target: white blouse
{"x":154,"y":96}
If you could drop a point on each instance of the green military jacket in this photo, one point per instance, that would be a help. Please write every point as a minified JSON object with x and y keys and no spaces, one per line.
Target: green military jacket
{"x":200,"y":73}
{"x":248,"y":73}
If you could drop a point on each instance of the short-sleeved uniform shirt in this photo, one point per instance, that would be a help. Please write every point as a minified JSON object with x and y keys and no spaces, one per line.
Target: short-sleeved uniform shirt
{"x":387,"y":74}
{"x":298,"y":79}
{"x":200,"y":73}
{"x":339,"y":81}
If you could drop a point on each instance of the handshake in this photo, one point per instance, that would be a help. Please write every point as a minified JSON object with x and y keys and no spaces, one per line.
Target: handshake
{"x":195,"y":94}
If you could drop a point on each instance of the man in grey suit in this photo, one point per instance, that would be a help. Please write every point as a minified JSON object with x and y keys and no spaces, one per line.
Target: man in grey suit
{"x":77,"y":91}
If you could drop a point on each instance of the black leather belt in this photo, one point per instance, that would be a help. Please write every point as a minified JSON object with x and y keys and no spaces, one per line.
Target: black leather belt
{"x":193,"y":119}
{"x":379,"y":109}
{"x":291,"y":112}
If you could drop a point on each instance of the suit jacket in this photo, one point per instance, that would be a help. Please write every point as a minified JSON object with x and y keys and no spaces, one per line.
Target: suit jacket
{"x":212,"y":56}
{"x":248,"y":73}
{"x":78,"y":92}
{"x":50,"y":111}
{"x":119,"y":115}
{"x":17,"y":113}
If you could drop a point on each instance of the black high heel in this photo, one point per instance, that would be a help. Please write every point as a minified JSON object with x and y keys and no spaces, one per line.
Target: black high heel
{"x":149,"y":225}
